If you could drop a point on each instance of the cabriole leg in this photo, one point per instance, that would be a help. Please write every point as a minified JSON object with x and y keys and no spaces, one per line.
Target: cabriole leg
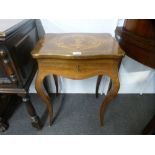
{"x":109,"y":97}
{"x":44,"y":95}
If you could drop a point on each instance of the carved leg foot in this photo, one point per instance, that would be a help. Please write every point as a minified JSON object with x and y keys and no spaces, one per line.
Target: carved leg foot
{"x":3,"y":125}
{"x":41,"y":92}
{"x":109,"y":97}
{"x":99,"y":78}
{"x":36,"y":123}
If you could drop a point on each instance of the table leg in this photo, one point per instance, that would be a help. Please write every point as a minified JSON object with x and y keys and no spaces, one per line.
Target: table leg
{"x":46,"y":85}
{"x":110,"y":85}
{"x":109,"y":97}
{"x":31,"y":111}
{"x":99,"y":78}
{"x":56,"y":83}
{"x":44,"y":95}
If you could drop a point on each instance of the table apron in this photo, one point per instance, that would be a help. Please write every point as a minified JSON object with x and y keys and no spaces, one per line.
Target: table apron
{"x":78,"y":69}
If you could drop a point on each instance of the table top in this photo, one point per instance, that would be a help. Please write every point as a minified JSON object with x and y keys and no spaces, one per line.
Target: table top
{"x":77,"y":46}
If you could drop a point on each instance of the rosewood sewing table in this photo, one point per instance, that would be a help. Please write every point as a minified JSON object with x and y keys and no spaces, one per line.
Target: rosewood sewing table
{"x":78,"y":56}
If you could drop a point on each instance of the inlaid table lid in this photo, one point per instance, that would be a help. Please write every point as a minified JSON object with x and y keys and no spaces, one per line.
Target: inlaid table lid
{"x":77,"y":45}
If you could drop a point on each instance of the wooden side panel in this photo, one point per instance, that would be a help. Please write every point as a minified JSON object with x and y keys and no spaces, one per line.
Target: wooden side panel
{"x":142,"y":27}
{"x":137,"y":39}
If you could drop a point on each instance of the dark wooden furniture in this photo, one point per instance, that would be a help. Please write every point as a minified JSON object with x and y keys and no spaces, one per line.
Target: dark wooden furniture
{"x":78,"y":56}
{"x":17,"y":67}
{"x":137,"y":38}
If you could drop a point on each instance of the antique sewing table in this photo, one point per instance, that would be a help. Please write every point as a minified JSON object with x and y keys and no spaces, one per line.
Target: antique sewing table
{"x":78,"y":56}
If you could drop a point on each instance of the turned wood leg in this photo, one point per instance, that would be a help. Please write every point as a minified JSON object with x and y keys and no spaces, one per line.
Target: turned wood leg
{"x":99,"y":78}
{"x":56,"y":83}
{"x":31,"y":111}
{"x":43,"y":94}
{"x":109,"y":97}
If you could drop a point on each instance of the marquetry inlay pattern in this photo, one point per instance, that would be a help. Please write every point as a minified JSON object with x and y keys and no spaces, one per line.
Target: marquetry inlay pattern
{"x":78,"y":42}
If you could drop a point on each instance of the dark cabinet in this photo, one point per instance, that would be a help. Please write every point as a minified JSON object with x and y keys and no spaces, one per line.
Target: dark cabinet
{"x":136,"y":37}
{"x":17,"y":67}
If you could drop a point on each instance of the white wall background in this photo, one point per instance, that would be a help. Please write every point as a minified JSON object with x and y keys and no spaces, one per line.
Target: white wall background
{"x":134,"y":77}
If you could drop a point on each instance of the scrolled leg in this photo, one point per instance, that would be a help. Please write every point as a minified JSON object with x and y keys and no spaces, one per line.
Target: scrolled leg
{"x":36,"y":123}
{"x":43,"y":94}
{"x":109,"y":97}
